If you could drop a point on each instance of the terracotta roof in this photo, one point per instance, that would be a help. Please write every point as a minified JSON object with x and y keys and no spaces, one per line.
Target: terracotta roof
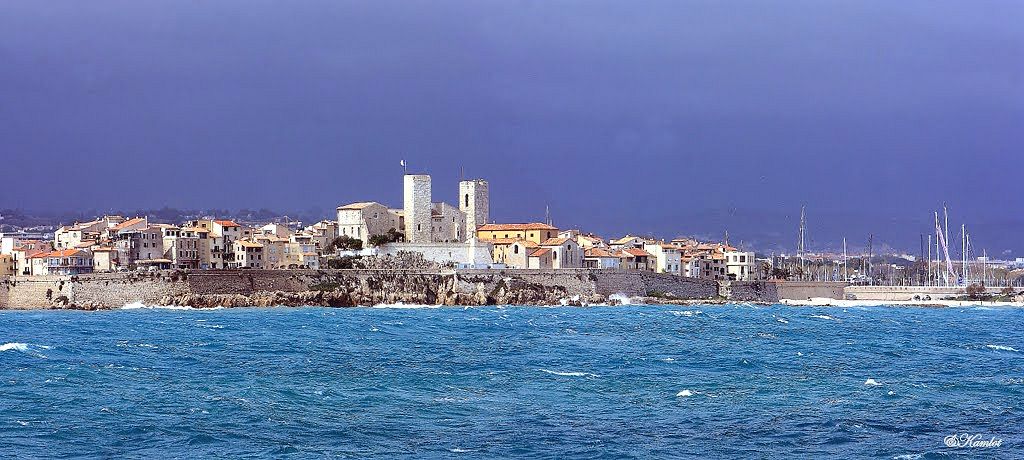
{"x":624,"y":239}
{"x":64,"y":253}
{"x":540,"y":252}
{"x":357,"y":206}
{"x":637,"y":252}
{"x":514,"y":227}
{"x":249,"y":244}
{"x":226,"y":223}
{"x":598,"y":252}
{"x":554,"y":241}
{"x":129,"y":223}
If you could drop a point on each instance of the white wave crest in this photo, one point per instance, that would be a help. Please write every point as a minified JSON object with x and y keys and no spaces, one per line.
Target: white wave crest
{"x":623,"y":299}
{"x":782,"y":320}
{"x":686,"y":312}
{"x":1001,"y":347}
{"x":140,"y":306}
{"x":569,"y":374}
{"x":872,"y":383}
{"x":404,"y":306}
{"x":16,"y":346}
{"x":684,"y":394}
{"x":824,"y":317}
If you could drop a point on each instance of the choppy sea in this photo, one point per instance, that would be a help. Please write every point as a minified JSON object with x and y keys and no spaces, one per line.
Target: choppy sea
{"x":726,"y":381}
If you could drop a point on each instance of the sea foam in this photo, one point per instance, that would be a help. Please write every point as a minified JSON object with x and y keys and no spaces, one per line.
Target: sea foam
{"x":872,"y":383}
{"x":569,"y":374}
{"x":1001,"y":347}
{"x":16,"y":346}
{"x":684,"y":393}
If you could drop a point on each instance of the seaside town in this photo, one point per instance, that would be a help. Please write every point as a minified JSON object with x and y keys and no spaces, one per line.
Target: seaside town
{"x":458,"y":236}
{"x":423,"y":233}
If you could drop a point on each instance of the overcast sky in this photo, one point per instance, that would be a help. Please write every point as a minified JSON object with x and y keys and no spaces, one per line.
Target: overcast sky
{"x":657,"y":117}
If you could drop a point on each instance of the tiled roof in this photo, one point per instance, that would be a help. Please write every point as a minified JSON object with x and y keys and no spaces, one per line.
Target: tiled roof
{"x":357,"y":206}
{"x":515,"y":227}
{"x":249,"y":244}
{"x":554,"y":241}
{"x":599,"y":253}
{"x":129,"y":223}
{"x":637,"y":252}
{"x":226,"y":223}
{"x":624,"y":240}
{"x":63,"y":253}
{"x":540,"y":252}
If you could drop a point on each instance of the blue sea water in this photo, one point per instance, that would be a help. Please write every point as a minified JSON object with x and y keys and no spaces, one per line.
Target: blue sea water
{"x":730,"y":381}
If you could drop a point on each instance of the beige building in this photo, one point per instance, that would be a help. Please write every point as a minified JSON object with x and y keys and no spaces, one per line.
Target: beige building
{"x":247,"y":254}
{"x":636,"y":259}
{"x":274,"y":251}
{"x":7,"y":266}
{"x":535,"y":232}
{"x":600,"y":258}
{"x":540,"y":259}
{"x":565,"y":253}
{"x":104,"y":259}
{"x":61,"y":262}
{"x":512,"y":253}
{"x":365,"y":219}
{"x":667,"y":257}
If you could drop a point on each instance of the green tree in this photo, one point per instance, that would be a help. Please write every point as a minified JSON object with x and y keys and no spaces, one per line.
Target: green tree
{"x":392,"y":236}
{"x":347,"y":243}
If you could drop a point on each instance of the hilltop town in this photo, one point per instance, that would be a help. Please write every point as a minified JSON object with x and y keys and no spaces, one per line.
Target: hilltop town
{"x":367,"y":234}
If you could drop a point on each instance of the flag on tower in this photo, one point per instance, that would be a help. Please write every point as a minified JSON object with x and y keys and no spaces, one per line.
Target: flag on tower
{"x":404,"y":168}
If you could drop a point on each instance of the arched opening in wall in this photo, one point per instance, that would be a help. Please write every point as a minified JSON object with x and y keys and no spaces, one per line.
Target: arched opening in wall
{"x":467,"y":200}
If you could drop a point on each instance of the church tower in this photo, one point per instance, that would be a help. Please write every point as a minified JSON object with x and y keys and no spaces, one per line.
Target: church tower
{"x":473,"y":201}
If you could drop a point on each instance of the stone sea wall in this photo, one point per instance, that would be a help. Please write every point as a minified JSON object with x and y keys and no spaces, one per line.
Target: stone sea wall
{"x":232,"y":288}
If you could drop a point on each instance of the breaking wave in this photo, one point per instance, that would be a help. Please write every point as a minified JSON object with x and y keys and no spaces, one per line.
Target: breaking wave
{"x":16,"y":346}
{"x":569,"y":374}
{"x":1001,"y":347}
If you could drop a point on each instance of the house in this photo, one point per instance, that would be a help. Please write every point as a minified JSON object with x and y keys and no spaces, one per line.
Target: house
{"x":365,"y":219}
{"x":565,"y":253}
{"x":626,"y":242}
{"x":535,"y":232}
{"x":740,"y":265}
{"x":247,"y":254}
{"x":274,"y":248}
{"x":636,"y":259}
{"x":181,"y":246}
{"x":23,"y":250}
{"x":104,"y":259}
{"x":300,"y":253}
{"x":540,"y":258}
{"x":600,"y":258}
{"x":667,"y":257}
{"x":276,"y":229}
{"x":7,"y":266}
{"x":513,"y":253}
{"x":61,"y":262}
{"x":140,"y":246}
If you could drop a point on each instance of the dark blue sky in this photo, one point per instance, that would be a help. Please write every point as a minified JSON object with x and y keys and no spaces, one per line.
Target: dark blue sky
{"x":656,"y":117}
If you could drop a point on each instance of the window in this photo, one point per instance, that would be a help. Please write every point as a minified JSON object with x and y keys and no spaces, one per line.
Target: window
{"x":515,"y":248}
{"x":467,"y":200}
{"x":554,"y":256}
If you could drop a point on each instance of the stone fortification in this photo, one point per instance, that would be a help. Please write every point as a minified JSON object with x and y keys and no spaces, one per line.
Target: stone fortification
{"x":344,"y":288}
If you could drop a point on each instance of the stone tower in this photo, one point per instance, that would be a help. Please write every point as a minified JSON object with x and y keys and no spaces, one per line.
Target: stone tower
{"x":417,"y":208}
{"x":473,"y":201}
